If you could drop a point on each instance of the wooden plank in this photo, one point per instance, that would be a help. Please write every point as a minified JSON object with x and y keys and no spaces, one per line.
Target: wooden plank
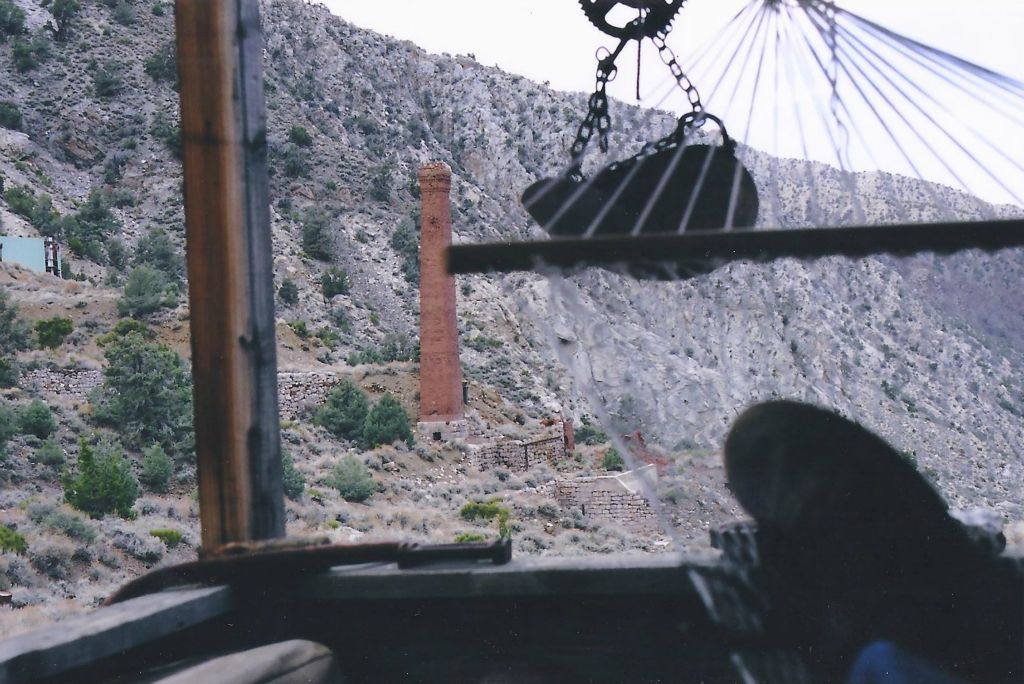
{"x":697,"y":253}
{"x":529,"y":577}
{"x":230,"y":270}
{"x":105,"y":632}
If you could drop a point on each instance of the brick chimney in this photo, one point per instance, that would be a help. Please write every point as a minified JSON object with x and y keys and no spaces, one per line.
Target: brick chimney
{"x":441,"y":407}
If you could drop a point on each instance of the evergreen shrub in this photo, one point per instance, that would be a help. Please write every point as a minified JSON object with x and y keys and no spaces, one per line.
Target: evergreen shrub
{"x":52,"y":332}
{"x":353,"y":480}
{"x":157,"y":468}
{"x":102,"y":482}
{"x":385,"y":423}
{"x":36,"y":419}
{"x":291,"y":478}
{"x":344,"y":411}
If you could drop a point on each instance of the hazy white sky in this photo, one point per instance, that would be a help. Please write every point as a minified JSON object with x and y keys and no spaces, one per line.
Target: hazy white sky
{"x":551,"y":41}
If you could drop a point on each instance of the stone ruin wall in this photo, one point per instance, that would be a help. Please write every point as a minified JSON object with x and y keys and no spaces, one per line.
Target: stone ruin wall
{"x":519,"y":456}
{"x":297,"y":392}
{"x":72,"y":383}
{"x":603,"y":497}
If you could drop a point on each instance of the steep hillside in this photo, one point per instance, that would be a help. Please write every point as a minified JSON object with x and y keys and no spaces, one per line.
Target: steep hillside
{"x":926,"y":350}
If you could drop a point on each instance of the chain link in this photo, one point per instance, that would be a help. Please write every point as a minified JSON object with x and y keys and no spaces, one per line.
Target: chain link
{"x":598,"y":119}
{"x":682,"y":80}
{"x":597,"y":115}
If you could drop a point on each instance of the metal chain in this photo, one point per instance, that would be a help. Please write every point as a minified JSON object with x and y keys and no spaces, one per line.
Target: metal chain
{"x":597,"y":114}
{"x":598,"y":118}
{"x":682,"y":80}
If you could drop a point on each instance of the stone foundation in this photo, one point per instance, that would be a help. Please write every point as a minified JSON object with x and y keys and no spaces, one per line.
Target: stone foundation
{"x":298,"y":393}
{"x":75,"y":384}
{"x":613,"y":497}
{"x":518,"y":455}
{"x":442,"y":431}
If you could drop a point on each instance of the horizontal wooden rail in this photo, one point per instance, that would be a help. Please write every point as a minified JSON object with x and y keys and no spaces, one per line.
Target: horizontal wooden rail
{"x":698,"y":252}
{"x":85,"y":639}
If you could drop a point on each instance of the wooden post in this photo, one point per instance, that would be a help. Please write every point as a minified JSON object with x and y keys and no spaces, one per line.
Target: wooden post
{"x":230,"y":269}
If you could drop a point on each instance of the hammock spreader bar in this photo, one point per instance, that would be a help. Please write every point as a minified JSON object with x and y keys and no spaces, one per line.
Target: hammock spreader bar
{"x":698,"y":252}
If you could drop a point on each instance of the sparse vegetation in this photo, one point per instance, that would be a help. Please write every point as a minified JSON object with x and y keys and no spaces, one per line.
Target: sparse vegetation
{"x":300,"y":136}
{"x":158,"y":251}
{"x":162,"y":65}
{"x":406,"y":242}
{"x":11,"y":541}
{"x":168,"y":133}
{"x":396,"y":347}
{"x":170,"y":537}
{"x":294,"y":162}
{"x":482,"y":343}
{"x":51,"y":332}
{"x":63,"y":12}
{"x":38,"y":210}
{"x":50,"y":454}
{"x":102,"y":482}
{"x":488,"y":510}
{"x":60,"y":519}
{"x":288,"y":293}
{"x":335,"y":282}
{"x":146,"y":395}
{"x":613,"y":460}
{"x":344,"y":411}
{"x":380,"y":184}
{"x":125,"y":327}
{"x":36,"y":419}
{"x":145,"y":292}
{"x":14,"y":336}
{"x":588,"y":434}
{"x":28,"y":53}
{"x":87,"y":229}
{"x":12,"y":20}
{"x":353,"y":480}
{"x":108,"y":79}
{"x":52,"y":560}
{"x":385,"y":423}
{"x":316,"y":237}
{"x":291,"y":478}
{"x":8,"y":426}
{"x":157,"y":468}
{"x":339,"y":319}
{"x":10,"y":115}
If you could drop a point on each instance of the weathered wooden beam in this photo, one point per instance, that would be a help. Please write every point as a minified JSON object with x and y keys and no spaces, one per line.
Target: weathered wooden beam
{"x":522,"y":578}
{"x":697,"y":253}
{"x":227,"y":215}
{"x":88,"y":638}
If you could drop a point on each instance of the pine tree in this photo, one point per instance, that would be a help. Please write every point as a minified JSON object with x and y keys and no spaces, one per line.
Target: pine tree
{"x":146,"y":394}
{"x":386,"y":422}
{"x":102,"y":482}
{"x":291,"y":478}
{"x":344,"y":412}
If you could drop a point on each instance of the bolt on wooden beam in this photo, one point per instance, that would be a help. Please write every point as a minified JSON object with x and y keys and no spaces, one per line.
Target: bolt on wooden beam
{"x":230,"y":269}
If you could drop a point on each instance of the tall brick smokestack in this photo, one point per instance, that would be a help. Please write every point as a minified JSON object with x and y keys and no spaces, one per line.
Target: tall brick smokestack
{"x":440,"y":372}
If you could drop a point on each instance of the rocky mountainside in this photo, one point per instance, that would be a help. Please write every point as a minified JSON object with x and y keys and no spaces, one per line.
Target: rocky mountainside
{"x":926,"y":350}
